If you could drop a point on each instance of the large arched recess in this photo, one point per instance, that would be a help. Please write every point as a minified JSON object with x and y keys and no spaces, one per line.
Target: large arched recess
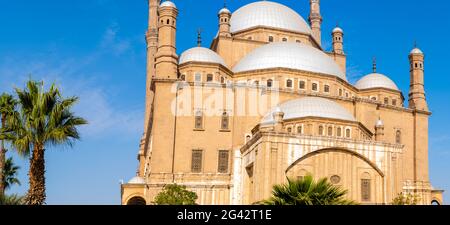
{"x":344,"y":168}
{"x":136,"y":200}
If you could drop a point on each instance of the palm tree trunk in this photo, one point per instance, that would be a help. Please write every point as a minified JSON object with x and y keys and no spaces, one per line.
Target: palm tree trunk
{"x":36,"y":193}
{"x":2,"y":160}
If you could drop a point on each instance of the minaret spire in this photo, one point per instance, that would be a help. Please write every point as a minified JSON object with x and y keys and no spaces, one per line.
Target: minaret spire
{"x":199,"y":37}
{"x":374,"y":64}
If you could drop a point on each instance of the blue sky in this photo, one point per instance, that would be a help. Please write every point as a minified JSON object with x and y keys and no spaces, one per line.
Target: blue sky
{"x":96,"y":49}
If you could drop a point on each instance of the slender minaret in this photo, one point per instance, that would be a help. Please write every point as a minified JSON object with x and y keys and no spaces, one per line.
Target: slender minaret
{"x":151,"y":38}
{"x":315,"y":20}
{"x":417,"y":98}
{"x":166,"y":57}
{"x":379,"y":130}
{"x":338,"y":40}
{"x":224,"y":22}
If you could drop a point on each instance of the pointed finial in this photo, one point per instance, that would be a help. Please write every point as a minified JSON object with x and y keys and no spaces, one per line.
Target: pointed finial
{"x":415,"y":44}
{"x":199,"y":37}
{"x":224,"y":3}
{"x":374,"y":64}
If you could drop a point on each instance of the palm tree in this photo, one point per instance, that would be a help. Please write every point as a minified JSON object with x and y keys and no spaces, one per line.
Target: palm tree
{"x":45,"y":120}
{"x":7,"y":109}
{"x":10,"y":177}
{"x":11,"y":200}
{"x":307,"y":191}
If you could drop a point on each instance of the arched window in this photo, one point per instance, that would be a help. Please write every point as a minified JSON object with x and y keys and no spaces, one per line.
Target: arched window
{"x":225,"y":121}
{"x":270,"y":38}
{"x":330,"y":131}
{"x":315,"y":87}
{"x":269,"y":83}
{"x":339,"y":132}
{"x":222,"y":80}
{"x":300,"y":129}
{"x":394,"y":102}
{"x":284,"y":39}
{"x":289,"y":130}
{"x":302,"y":85}
{"x":327,"y":89}
{"x":256,"y":83}
{"x":183,"y":77}
{"x":386,"y":101}
{"x":199,"y":120}
{"x":373,"y":98}
{"x":321,"y":130}
{"x":348,"y":133}
{"x":398,"y":137}
{"x":289,"y":83}
{"x":168,"y":21}
{"x":340,"y":92}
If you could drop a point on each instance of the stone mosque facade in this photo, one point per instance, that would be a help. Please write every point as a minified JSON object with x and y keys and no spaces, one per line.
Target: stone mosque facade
{"x":285,"y":109}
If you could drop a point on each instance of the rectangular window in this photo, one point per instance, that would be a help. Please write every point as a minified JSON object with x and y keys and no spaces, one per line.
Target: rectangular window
{"x":198,"y":120}
{"x":394,"y":102}
{"x":302,"y":85}
{"x":198,"y":77}
{"x":365,"y":190}
{"x":224,"y":156}
{"x":327,"y":89}
{"x":209,"y":78}
{"x":225,"y":121}
{"x":196,"y":163}
{"x":315,"y":87}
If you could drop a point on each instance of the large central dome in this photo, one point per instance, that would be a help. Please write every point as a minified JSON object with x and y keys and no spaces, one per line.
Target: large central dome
{"x":289,"y":55}
{"x":268,"y":14}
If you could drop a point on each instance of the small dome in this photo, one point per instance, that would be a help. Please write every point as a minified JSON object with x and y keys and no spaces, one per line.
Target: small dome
{"x":380,"y":123}
{"x":338,"y":30}
{"x":137,"y":180}
{"x":416,"y":51}
{"x":310,"y":107}
{"x":269,"y":14}
{"x":289,"y":55}
{"x":376,"y":80}
{"x":201,"y":54}
{"x":168,"y":4}
{"x":224,"y":10}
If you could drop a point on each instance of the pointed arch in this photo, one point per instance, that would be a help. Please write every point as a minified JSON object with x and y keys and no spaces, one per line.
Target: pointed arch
{"x":342,"y":150}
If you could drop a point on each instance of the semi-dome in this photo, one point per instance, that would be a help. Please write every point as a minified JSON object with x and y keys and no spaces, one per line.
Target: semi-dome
{"x":201,"y":54}
{"x":289,"y":55}
{"x":376,"y":80}
{"x":310,"y":107}
{"x":168,"y":4}
{"x":269,"y":14}
{"x":137,"y":180}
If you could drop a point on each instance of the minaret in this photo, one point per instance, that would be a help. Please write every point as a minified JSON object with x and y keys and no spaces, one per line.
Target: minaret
{"x":224,"y":22}
{"x":338,"y":40}
{"x":315,"y":20}
{"x":151,"y":38}
{"x":379,"y":131}
{"x":166,"y":57}
{"x":417,"y":98}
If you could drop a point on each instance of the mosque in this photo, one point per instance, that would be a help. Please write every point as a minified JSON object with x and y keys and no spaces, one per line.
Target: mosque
{"x":265,"y":102}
